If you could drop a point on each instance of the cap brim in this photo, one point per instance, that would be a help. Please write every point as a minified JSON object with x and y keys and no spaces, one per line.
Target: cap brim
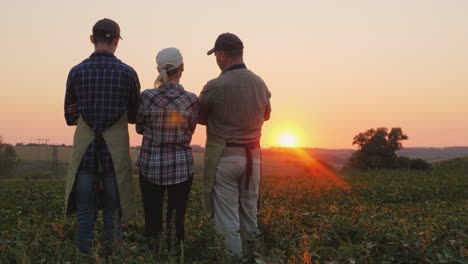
{"x":211,"y":51}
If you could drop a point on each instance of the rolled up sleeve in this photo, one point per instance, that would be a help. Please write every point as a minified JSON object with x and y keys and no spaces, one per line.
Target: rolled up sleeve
{"x":204,"y":105}
{"x":70,"y":98}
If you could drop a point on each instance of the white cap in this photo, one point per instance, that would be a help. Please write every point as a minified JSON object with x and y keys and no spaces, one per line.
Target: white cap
{"x":167,"y":59}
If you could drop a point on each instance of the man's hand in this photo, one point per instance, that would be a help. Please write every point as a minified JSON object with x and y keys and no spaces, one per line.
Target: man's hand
{"x":74,"y":113}
{"x":73,"y":110}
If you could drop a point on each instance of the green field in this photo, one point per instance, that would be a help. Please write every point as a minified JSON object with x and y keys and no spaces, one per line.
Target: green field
{"x":386,"y":217}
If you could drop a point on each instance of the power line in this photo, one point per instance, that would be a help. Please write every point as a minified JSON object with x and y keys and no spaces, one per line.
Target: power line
{"x":44,"y":141}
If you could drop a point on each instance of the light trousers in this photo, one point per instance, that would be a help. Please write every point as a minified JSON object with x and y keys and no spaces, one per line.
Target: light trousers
{"x":235,"y":207}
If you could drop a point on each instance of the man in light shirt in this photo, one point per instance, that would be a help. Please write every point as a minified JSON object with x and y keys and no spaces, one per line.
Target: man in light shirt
{"x":234,"y":107}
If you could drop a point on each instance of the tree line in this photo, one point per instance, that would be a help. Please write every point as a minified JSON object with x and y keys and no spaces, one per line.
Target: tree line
{"x":8,"y":159}
{"x":376,"y":150}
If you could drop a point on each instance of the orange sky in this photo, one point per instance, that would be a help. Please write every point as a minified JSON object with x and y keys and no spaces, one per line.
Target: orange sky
{"x":335,"y":68}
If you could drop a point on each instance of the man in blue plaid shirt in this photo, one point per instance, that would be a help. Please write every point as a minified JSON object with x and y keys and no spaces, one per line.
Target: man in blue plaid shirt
{"x":101,"y":89}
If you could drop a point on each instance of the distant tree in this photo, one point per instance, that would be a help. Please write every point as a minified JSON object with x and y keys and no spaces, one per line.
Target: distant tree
{"x":376,"y":148}
{"x":404,"y":162}
{"x":412,"y":164}
{"x":7,"y":159}
{"x":419,"y":164}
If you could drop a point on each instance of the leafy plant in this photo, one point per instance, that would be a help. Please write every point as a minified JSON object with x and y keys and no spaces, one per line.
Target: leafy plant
{"x":386,"y":217}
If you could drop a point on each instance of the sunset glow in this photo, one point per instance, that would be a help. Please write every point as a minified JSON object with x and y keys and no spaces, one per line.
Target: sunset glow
{"x":346,"y":57}
{"x":316,"y":168}
{"x":287,"y":139}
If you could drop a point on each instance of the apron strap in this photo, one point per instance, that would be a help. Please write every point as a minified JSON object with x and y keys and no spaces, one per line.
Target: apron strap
{"x":248,"y":156}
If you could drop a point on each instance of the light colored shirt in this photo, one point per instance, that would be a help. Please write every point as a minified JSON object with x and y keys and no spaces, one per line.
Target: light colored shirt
{"x":235,"y":105}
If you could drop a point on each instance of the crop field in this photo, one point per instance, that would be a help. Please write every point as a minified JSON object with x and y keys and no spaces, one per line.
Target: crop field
{"x":378,"y":217}
{"x":43,"y":153}
{"x":36,"y":162}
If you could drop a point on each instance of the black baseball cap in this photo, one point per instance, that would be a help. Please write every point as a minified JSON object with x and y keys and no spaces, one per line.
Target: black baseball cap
{"x":227,"y":42}
{"x":107,"y":28}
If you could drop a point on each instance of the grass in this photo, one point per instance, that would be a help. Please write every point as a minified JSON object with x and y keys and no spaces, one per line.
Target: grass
{"x":386,"y":217}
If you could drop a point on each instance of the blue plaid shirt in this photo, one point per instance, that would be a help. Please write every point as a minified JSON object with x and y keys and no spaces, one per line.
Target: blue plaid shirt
{"x":104,"y":89}
{"x":167,"y":117}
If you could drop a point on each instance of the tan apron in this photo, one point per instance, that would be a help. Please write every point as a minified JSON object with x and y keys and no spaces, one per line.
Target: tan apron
{"x":213,"y":150}
{"x":117,"y":140}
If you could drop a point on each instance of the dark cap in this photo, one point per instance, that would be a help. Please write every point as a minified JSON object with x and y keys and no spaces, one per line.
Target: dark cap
{"x":227,"y":42}
{"x":107,"y":28}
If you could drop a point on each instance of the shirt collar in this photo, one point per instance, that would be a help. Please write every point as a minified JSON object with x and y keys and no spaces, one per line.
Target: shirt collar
{"x":235,"y":67}
{"x":171,"y":86}
{"x":102,"y":53}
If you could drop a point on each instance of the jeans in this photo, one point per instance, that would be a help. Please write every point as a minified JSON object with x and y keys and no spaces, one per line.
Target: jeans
{"x":85,"y":201}
{"x":153,"y":197}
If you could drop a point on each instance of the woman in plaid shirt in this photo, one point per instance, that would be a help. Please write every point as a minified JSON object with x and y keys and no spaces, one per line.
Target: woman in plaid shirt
{"x":167,"y":117}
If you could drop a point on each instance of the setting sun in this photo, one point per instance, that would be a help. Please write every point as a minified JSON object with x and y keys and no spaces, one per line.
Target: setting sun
{"x":287,"y":140}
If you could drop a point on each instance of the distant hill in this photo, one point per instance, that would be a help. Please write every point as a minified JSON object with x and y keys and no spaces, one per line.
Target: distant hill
{"x":294,"y":159}
{"x":334,"y":157}
{"x":434,"y":154}
{"x":452,"y":164}
{"x":339,"y":157}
